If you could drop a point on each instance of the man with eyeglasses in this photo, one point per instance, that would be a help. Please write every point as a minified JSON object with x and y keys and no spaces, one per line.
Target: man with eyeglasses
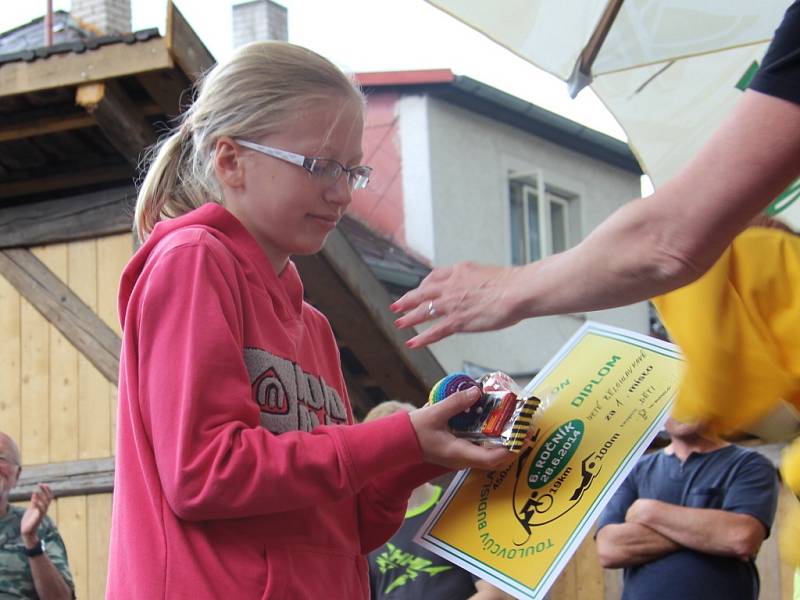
{"x":33,"y":559}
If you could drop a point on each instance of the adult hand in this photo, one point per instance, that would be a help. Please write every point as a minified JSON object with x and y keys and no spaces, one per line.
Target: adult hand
{"x":441,"y":447}
{"x":33,"y":516}
{"x":463,"y":297}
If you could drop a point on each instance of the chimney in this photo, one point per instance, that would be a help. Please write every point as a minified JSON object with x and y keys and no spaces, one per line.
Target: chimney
{"x":104,"y":17}
{"x":259,"y":20}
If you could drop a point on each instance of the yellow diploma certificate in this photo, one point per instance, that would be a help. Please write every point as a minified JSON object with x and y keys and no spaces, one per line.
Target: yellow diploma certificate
{"x":605,"y":396}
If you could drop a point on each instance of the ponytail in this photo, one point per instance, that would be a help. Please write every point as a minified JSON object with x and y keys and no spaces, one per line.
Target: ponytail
{"x":166,"y":191}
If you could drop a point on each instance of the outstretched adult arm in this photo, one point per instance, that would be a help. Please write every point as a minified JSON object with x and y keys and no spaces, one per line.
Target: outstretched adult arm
{"x":648,"y":247}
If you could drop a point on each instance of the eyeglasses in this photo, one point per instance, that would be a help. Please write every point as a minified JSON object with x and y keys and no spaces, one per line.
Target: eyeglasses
{"x":324,"y":168}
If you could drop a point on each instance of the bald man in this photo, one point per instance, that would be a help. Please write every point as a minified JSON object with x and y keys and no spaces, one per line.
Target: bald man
{"x":33,"y":559}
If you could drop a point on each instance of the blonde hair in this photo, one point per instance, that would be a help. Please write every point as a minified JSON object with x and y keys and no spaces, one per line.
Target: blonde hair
{"x":388,"y":407}
{"x":254,"y":93}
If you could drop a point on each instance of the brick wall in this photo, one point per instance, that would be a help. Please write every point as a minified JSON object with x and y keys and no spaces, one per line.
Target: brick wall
{"x":105,"y":16}
{"x":259,"y":20}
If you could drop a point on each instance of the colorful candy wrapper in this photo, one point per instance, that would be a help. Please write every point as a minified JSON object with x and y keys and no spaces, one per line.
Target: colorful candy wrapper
{"x":500,"y":417}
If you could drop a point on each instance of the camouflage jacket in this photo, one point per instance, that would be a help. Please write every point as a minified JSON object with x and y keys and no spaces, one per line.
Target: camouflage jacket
{"x":15,"y":572}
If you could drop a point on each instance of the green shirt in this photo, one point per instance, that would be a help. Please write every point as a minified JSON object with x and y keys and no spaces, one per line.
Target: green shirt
{"x":16,"y":580}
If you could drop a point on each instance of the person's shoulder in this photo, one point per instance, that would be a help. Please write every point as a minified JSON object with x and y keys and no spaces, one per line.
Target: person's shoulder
{"x":315,"y":316}
{"x":644,"y":465}
{"x":19,"y":509}
{"x":14,"y":515}
{"x":191,"y":236}
{"x":647,"y":461}
{"x":754,"y":455}
{"x":749,"y":456}
{"x":316,"y":320}
{"x":193,"y":240}
{"x":651,"y":464}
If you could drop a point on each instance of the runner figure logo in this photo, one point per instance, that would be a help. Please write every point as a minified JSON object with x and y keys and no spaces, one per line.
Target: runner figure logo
{"x":536,"y":504}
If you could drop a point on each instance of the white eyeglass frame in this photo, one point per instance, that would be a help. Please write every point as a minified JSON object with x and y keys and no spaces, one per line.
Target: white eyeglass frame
{"x":357,"y":176}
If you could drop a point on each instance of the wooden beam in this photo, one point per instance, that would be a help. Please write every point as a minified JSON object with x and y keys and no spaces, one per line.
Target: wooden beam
{"x":66,"y":219}
{"x":186,"y":49}
{"x":64,"y":309}
{"x":60,"y":181}
{"x":44,"y":126}
{"x":74,"y":478}
{"x":340,"y":283}
{"x":89,"y":95}
{"x":170,"y":90}
{"x":71,"y":68}
{"x":55,"y":124}
{"x":119,"y":118}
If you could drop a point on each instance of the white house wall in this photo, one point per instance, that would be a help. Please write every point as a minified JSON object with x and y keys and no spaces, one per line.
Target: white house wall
{"x":416,"y":161}
{"x":468,"y":159}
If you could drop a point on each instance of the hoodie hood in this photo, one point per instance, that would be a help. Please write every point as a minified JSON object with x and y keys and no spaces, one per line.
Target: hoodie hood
{"x":286,"y":289}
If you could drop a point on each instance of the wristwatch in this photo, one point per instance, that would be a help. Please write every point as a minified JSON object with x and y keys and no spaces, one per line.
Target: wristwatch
{"x":36,"y":550}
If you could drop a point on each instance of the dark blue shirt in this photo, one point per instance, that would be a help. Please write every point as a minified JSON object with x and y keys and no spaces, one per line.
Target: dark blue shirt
{"x":730,"y":478}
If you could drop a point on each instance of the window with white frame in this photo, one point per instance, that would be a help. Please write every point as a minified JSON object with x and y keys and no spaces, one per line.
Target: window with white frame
{"x":542,"y":218}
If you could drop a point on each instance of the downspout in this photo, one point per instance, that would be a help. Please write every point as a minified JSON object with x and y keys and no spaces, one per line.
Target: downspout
{"x":48,"y":24}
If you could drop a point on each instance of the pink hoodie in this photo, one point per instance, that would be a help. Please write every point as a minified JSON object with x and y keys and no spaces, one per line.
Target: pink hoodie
{"x":236,"y":475}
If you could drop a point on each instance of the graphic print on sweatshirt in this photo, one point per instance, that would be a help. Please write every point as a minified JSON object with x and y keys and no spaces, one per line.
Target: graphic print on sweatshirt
{"x":289,"y":398}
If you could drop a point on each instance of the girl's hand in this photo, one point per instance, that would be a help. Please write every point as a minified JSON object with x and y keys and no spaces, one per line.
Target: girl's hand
{"x":464,"y":297}
{"x":441,"y":447}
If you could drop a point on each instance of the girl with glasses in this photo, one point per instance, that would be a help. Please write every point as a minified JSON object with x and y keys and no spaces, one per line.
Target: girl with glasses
{"x":239,"y":471}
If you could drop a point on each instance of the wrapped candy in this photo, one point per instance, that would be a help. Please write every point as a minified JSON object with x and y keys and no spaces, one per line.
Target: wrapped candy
{"x":500,"y":417}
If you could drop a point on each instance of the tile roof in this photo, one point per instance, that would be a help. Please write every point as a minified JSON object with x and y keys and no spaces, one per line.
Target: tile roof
{"x":395,"y":267}
{"x":25,"y":43}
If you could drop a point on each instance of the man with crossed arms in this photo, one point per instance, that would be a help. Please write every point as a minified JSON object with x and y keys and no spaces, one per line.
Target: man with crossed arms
{"x":689,"y":520}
